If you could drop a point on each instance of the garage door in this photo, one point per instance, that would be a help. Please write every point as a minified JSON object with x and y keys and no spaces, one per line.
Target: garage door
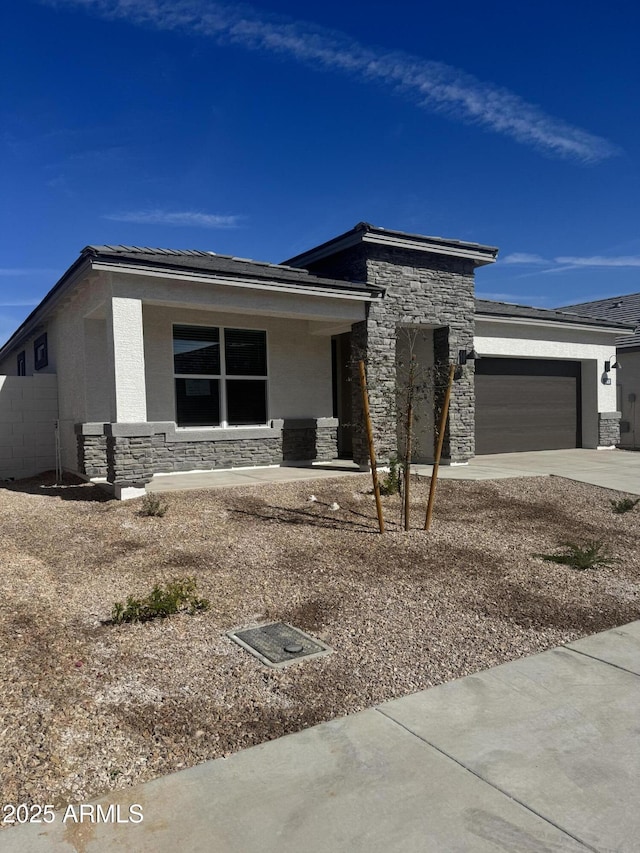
{"x":527,"y":404}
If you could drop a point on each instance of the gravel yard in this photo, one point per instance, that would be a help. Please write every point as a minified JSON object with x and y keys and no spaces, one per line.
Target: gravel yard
{"x":86,"y":707}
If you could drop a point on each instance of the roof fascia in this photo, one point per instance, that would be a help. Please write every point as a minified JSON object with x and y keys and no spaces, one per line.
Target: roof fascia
{"x":429,"y":245}
{"x":531,"y":321}
{"x":251,"y":284}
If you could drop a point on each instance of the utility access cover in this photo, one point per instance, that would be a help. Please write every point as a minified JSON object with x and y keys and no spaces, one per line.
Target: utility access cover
{"x":278,"y":644}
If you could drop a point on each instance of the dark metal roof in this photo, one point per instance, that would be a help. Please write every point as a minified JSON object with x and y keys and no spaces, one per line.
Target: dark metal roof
{"x":507,"y":309}
{"x":194,"y":260}
{"x":617,"y":309}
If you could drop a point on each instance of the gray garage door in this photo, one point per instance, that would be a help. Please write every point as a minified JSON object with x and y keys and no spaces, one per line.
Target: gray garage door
{"x":527,"y":404}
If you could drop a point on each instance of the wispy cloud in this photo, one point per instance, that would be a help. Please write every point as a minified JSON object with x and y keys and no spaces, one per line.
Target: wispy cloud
{"x":431,"y":85}
{"x":26,"y":303}
{"x":181,"y":218}
{"x":562,"y":263}
{"x":599,"y":261}
{"x":523,"y":258}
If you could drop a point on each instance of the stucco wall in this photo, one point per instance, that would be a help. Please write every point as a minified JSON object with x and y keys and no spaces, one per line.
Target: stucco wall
{"x":592,"y":348}
{"x":81,"y":363}
{"x":9,"y":364}
{"x":28,"y":411}
{"x":299,"y":364}
{"x":164,"y":289}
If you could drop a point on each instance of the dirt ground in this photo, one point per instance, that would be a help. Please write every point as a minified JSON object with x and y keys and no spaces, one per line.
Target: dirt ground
{"x":86,"y":707}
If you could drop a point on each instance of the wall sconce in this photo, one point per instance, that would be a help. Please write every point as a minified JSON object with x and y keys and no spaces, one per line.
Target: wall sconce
{"x":464,"y":356}
{"x":612,"y":364}
{"x":609,"y":365}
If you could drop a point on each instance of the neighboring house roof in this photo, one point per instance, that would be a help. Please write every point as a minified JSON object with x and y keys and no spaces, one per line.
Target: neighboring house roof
{"x":486,"y":307}
{"x":617,"y":309}
{"x":191,"y":262}
{"x":363,"y":232}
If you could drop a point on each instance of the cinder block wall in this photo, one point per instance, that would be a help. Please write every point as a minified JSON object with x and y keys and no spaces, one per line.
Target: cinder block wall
{"x":28,"y":411}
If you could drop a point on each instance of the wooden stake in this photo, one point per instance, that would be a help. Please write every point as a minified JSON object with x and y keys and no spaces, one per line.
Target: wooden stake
{"x":407,"y":464}
{"x":372,"y":451}
{"x":436,"y":463}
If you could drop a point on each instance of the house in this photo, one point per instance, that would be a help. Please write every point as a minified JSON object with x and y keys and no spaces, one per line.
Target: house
{"x":159,"y":360}
{"x":622,"y":309}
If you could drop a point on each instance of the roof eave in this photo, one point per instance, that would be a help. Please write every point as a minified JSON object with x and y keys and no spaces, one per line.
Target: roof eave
{"x":364,"y":233}
{"x":76,"y":271}
{"x":341,"y":290}
{"x":552,"y":321}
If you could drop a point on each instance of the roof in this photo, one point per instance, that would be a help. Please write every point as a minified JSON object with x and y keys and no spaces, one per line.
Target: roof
{"x":197,"y":261}
{"x":617,"y":309}
{"x":529,"y":312}
{"x":364,"y":232}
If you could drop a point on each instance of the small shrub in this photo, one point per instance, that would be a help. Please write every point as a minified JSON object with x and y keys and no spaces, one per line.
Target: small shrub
{"x":593,"y":555}
{"x":391,"y":483}
{"x":153,"y":506}
{"x":179,"y":594}
{"x":624,"y":505}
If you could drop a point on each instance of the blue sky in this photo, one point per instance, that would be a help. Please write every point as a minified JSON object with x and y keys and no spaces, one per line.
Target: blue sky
{"x":262,"y":130}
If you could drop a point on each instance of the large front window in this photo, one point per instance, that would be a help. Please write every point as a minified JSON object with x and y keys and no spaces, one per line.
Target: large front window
{"x":220,"y":375}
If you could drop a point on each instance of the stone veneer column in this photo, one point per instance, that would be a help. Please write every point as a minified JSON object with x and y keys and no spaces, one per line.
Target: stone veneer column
{"x":609,"y":429}
{"x":422,"y":289}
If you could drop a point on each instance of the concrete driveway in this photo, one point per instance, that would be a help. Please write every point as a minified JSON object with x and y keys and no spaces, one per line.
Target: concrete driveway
{"x":612,"y":469}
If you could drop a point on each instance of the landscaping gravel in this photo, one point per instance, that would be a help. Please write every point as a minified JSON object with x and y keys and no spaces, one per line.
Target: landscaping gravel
{"x":87,"y":706}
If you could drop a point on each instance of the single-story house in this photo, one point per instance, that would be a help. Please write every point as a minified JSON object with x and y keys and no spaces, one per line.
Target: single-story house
{"x":158,"y":360}
{"x":622,"y":309}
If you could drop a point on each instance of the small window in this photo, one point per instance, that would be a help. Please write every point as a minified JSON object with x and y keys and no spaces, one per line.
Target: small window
{"x":40,"y":353}
{"x":22,"y":363}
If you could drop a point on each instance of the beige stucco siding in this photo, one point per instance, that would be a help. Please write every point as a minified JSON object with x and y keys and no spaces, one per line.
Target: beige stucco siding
{"x":242,"y":299}
{"x":80,"y":364}
{"x":299,"y":364}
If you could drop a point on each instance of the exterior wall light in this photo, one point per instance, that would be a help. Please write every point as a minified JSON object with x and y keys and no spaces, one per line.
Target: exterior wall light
{"x":464,"y":356}
{"x":609,"y":365}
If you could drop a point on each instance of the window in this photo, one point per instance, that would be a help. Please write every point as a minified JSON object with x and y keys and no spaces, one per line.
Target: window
{"x":220,"y":376}
{"x":22,"y":363}
{"x":40,"y":354}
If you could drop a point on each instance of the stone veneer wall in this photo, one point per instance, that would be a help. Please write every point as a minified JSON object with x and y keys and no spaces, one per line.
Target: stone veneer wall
{"x":92,"y":455}
{"x":309,"y":443}
{"x":421,"y":290}
{"x":609,"y":428}
{"x":136,"y":459}
{"x":106,"y":450}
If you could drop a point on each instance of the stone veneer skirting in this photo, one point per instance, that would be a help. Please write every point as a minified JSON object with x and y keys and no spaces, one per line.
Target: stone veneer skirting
{"x":133,"y":453}
{"x":608,"y":428}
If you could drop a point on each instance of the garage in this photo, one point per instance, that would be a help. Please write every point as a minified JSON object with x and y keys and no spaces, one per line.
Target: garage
{"x":527,"y":404}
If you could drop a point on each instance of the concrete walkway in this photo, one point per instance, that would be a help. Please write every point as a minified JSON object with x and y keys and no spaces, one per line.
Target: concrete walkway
{"x":540,"y":755}
{"x":613,"y":469}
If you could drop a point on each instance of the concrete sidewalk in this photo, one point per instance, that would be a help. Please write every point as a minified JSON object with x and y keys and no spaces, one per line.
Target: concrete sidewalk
{"x":613,"y":469}
{"x":540,"y":755}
